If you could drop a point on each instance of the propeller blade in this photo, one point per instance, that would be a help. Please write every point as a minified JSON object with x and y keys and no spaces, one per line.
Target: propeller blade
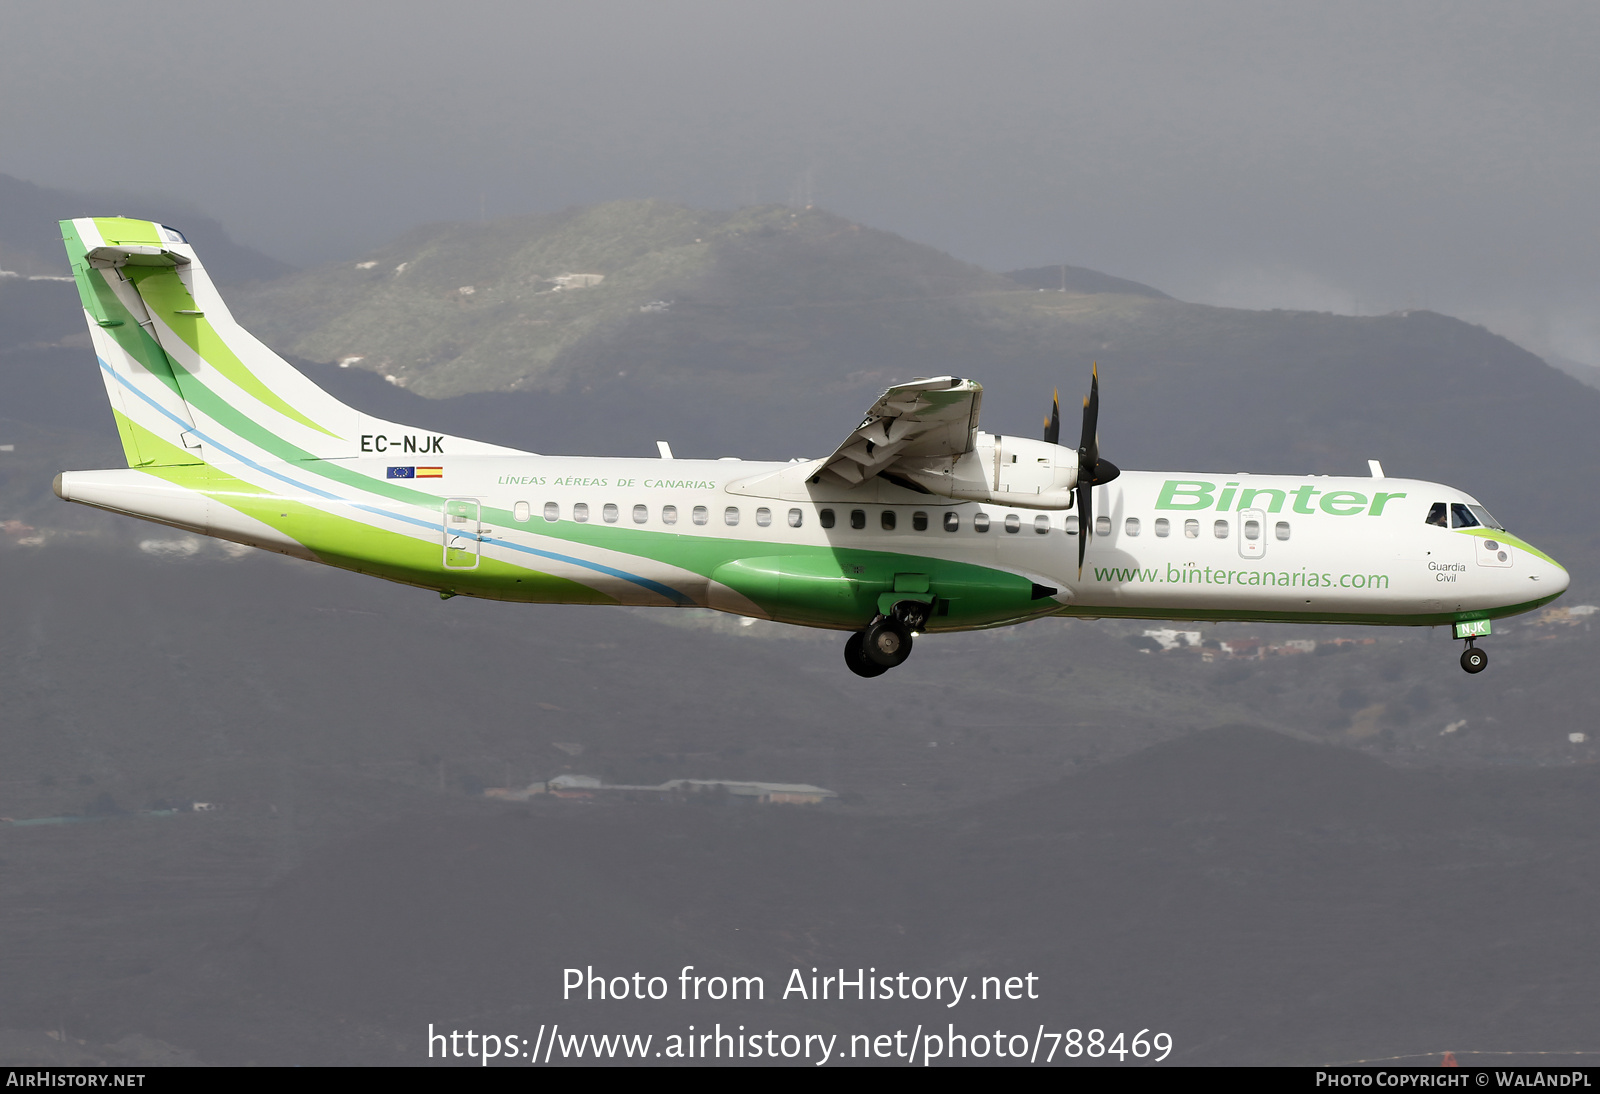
{"x":1085,"y":519}
{"x":1052,"y":425}
{"x":1092,"y":470}
{"x":1089,"y":446}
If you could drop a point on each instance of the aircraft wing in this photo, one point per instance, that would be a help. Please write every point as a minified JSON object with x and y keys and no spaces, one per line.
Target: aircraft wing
{"x":924,"y":418}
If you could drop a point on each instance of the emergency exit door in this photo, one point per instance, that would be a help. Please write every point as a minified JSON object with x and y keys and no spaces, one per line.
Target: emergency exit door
{"x":1252,"y":533}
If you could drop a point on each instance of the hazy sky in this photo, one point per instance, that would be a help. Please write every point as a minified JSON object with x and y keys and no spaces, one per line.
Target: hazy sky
{"x":1338,"y":156}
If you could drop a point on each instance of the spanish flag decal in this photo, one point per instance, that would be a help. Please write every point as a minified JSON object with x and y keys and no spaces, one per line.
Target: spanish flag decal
{"x":430,"y":472}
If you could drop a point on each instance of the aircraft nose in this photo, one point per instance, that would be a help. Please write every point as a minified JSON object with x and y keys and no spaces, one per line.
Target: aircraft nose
{"x":1551,"y":577}
{"x":1556,"y":579}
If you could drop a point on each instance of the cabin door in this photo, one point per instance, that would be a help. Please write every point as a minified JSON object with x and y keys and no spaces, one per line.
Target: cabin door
{"x":463,"y":533}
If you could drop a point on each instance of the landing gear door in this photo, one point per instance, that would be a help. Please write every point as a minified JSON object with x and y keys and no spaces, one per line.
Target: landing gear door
{"x":463,"y":533}
{"x":1252,"y":533}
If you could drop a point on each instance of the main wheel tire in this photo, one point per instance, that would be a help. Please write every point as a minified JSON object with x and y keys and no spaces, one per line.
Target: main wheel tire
{"x":855,"y":655}
{"x":887,"y":642}
{"x":1474,"y":660}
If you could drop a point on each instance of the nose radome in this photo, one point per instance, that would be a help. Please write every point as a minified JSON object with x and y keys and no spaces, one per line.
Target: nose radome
{"x":1556,"y":580}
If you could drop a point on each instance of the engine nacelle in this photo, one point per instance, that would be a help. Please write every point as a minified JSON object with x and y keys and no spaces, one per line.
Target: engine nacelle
{"x":1006,"y":470}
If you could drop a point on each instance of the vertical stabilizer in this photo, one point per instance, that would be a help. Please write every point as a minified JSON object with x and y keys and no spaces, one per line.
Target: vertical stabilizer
{"x":186,"y":382}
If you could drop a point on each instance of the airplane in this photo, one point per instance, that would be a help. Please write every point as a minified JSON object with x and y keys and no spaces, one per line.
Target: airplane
{"x":917,"y":523}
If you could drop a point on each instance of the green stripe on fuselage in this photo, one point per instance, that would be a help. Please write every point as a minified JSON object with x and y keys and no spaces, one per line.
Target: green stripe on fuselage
{"x":1502,"y":534}
{"x":1207,"y":615}
{"x":351,"y":544}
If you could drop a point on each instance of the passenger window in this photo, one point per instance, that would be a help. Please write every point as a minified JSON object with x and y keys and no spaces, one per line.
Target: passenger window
{"x":552,"y":511}
{"x":825,"y":518}
{"x":1437,"y":515}
{"x":609,"y":512}
{"x":1220,"y":529}
{"x":980,"y":522}
{"x":522,"y":511}
{"x":1041,"y":524}
{"x":730,"y":516}
{"x":700,"y":514}
{"x":580,"y":512}
{"x":795,"y":518}
{"x":1191,"y":529}
{"x":887,"y":520}
{"x":1070,"y":525}
{"x":1162,"y":527}
{"x":763,"y":518}
{"x":669,"y":514}
{"x":1102,"y":526}
{"x":858,"y":518}
{"x":1252,"y":530}
{"x":1461,"y":517}
{"x":1131,"y":526}
{"x":641,"y":514}
{"x":919,"y":521}
{"x":952,"y":521}
{"x":1013,"y":523}
{"x":1281,"y":530}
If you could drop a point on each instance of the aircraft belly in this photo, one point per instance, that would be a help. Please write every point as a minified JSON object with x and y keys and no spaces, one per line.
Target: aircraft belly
{"x":845,"y":589}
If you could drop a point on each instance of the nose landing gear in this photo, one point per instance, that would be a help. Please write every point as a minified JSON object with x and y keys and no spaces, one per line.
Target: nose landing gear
{"x":885,"y":642}
{"x":1472,"y":658}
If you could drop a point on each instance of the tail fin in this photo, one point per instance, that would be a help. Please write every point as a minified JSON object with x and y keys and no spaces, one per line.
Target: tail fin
{"x":187,"y":383}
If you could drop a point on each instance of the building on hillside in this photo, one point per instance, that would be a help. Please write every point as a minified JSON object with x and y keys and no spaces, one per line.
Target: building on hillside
{"x":1169,"y":639}
{"x":673,"y":790}
{"x":576,"y":280}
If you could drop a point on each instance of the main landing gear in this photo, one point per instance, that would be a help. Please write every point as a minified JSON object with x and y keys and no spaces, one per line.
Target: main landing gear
{"x":886,"y":641}
{"x":1473,"y":659}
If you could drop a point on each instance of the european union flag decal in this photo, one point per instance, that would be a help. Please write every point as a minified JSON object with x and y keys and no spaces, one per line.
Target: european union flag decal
{"x":402,"y":472}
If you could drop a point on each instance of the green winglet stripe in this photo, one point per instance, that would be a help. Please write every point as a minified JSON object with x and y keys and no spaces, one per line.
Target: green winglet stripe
{"x":164,"y":294}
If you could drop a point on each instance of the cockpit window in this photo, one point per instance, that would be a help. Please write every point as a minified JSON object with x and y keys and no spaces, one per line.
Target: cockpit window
{"x":1485,"y":519}
{"x":1439,"y":515}
{"x":1461,"y":517}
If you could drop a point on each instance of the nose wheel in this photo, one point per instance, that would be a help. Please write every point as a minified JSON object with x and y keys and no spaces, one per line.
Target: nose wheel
{"x":1473,"y":659}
